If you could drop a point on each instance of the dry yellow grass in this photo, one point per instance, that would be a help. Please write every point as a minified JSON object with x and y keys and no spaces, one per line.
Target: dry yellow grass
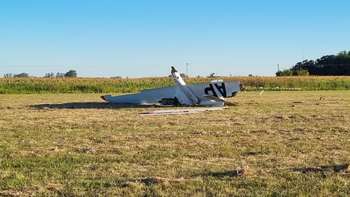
{"x":76,"y":145}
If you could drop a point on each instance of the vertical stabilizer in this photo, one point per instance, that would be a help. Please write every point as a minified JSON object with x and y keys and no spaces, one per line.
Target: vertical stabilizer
{"x":183,"y":93}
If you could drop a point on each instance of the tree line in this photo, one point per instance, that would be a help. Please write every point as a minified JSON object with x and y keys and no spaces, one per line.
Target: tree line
{"x":71,"y":73}
{"x":326,"y":65}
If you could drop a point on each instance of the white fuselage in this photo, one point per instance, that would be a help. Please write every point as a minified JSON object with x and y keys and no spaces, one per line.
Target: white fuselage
{"x":212,"y":93}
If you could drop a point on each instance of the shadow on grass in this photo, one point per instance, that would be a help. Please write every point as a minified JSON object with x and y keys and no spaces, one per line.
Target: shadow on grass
{"x":89,"y":105}
{"x":330,"y":168}
{"x":232,"y":173}
{"x":222,"y":175}
{"x":158,"y":180}
{"x":152,"y":180}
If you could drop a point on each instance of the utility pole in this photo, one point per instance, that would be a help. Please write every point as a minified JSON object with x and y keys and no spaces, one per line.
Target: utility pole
{"x":187,"y":69}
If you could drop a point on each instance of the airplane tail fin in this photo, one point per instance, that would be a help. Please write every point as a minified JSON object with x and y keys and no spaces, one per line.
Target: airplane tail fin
{"x":173,"y":71}
{"x":183,"y":93}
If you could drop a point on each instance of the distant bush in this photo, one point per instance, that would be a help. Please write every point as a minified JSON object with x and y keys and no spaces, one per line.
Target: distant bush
{"x":302,"y":72}
{"x":286,"y":72}
{"x":289,"y":72}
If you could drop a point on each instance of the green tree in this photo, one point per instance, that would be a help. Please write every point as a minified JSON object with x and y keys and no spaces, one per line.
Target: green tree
{"x":343,"y":54}
{"x":49,"y":75}
{"x":71,"y":73}
{"x":326,"y":65}
{"x":22,"y":75}
{"x":286,"y":72}
{"x":8,"y":75}
{"x":279,"y":73}
{"x":58,"y":74}
{"x":302,"y":72}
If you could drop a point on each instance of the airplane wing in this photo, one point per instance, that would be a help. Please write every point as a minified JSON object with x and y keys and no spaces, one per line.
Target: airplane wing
{"x":145,"y":96}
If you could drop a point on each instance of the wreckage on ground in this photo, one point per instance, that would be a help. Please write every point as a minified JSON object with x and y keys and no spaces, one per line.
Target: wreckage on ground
{"x":201,"y":94}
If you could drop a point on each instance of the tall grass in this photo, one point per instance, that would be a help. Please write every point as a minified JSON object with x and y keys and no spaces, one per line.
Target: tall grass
{"x":106,"y":85}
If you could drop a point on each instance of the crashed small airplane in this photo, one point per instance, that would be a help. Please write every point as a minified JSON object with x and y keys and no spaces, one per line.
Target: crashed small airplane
{"x":201,"y":94}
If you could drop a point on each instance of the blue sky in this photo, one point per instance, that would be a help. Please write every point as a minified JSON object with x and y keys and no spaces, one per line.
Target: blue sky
{"x":140,"y":38}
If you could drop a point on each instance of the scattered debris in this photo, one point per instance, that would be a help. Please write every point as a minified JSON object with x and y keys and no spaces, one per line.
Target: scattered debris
{"x":180,"y":111}
{"x":319,"y":138}
{"x":298,"y":102}
{"x":272,"y":89}
{"x":321,"y":98}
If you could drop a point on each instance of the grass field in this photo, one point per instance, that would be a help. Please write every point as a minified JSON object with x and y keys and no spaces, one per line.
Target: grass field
{"x":77,"y":145}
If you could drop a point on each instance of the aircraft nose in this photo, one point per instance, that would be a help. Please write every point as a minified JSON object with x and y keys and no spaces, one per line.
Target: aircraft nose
{"x":103,"y":97}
